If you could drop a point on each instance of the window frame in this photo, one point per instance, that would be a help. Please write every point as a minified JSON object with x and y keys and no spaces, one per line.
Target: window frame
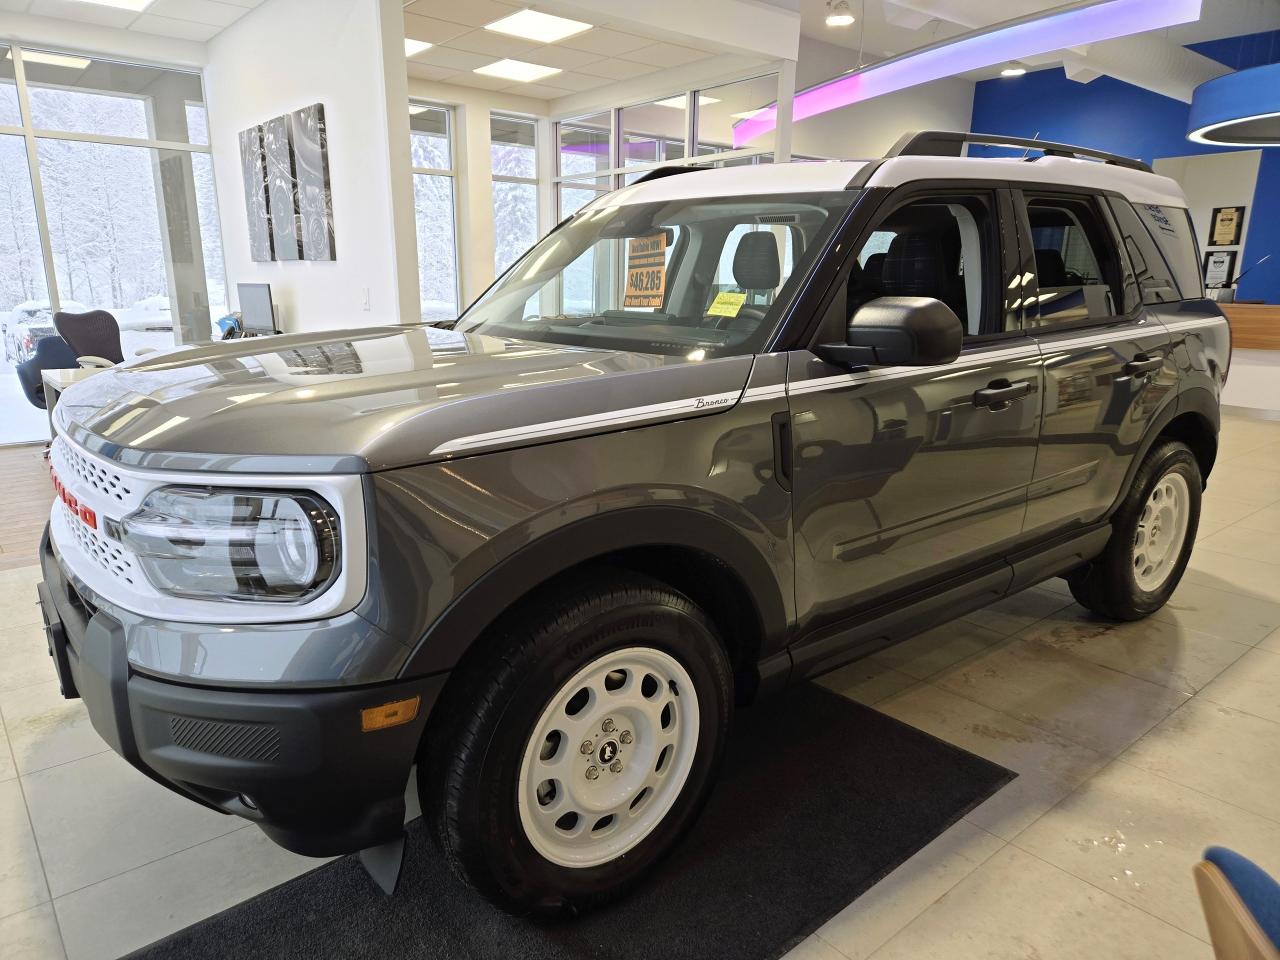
{"x":451,"y":172}
{"x":31,"y":135}
{"x":617,"y":171}
{"x":533,"y":181}
{"x":878,"y":205}
{"x":1095,"y":198}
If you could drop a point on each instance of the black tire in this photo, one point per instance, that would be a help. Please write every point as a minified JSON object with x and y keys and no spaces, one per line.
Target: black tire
{"x":469,"y":772}
{"x":1108,"y":586}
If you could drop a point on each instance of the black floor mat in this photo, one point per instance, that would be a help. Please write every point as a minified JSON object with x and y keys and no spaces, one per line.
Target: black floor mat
{"x":818,"y":799}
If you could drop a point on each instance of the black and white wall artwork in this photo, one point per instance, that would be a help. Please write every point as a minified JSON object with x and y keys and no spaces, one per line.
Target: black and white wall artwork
{"x":254,"y":167}
{"x":311,"y":170}
{"x":286,"y":177}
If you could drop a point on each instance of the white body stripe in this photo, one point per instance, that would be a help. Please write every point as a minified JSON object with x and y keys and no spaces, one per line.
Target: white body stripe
{"x":653,"y":411}
{"x":1179,"y":325}
{"x":608,"y":419}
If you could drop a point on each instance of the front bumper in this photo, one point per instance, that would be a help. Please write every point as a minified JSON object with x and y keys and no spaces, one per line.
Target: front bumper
{"x":295,"y":762}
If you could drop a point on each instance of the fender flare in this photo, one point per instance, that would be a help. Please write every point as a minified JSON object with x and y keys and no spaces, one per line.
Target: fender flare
{"x":447,"y":639}
{"x":1198,"y":400}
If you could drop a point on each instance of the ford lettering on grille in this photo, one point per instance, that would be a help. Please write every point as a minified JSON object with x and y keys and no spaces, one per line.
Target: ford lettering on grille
{"x":78,"y":510}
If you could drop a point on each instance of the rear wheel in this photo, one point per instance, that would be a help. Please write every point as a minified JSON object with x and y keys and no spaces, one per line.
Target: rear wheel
{"x":579,"y":744}
{"x":1153,"y":533}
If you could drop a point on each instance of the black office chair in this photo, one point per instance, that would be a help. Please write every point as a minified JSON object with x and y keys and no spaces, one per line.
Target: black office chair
{"x":94,"y":336}
{"x":52,"y":353}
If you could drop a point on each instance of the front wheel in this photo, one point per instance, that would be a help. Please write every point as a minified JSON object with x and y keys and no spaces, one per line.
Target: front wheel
{"x":1152,"y":535}
{"x":579,"y":745}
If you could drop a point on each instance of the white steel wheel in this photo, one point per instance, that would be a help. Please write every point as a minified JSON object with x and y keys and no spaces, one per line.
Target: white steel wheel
{"x":1161,"y":532}
{"x":608,"y":757}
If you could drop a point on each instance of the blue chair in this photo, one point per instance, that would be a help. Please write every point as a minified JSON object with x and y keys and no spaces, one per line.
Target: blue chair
{"x":52,"y":353}
{"x":1241,"y":906}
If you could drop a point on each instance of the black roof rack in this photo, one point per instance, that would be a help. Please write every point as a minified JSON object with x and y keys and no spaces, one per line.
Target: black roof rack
{"x":659,"y":173}
{"x":950,"y":143}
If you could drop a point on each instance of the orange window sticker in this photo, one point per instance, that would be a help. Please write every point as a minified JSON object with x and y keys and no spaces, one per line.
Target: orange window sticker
{"x":646,"y":271}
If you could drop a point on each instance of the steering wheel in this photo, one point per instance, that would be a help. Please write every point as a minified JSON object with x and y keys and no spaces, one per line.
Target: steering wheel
{"x":746,"y":312}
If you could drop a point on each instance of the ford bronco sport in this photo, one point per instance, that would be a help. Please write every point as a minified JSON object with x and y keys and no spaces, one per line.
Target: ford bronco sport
{"x":720,"y":431}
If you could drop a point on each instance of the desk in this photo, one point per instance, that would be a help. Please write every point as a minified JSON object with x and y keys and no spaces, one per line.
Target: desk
{"x":55,"y":381}
{"x":1254,"y":326}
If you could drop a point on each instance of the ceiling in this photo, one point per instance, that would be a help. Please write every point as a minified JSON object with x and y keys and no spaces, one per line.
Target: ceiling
{"x":607,"y":53}
{"x":179,"y":19}
{"x":1157,"y":61}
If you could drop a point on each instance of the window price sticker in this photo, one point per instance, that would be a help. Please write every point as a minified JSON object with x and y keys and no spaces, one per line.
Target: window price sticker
{"x":726,"y":304}
{"x":646,"y":271}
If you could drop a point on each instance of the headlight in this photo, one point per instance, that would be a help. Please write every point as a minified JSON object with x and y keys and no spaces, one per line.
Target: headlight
{"x":218,"y":543}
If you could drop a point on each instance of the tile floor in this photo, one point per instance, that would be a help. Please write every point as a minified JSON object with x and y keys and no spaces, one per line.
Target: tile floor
{"x":1136,"y":746}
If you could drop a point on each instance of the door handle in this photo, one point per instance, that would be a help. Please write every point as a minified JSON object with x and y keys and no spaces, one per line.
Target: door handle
{"x":1143,"y":364}
{"x":1000,"y":393}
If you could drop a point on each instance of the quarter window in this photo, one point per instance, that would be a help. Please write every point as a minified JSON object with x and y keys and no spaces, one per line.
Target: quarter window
{"x":1155,"y":280}
{"x":1171,"y":228}
{"x":1076,"y":263}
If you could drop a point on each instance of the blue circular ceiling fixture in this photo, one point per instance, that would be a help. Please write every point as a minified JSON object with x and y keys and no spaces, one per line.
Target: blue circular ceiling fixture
{"x":1240,"y":109}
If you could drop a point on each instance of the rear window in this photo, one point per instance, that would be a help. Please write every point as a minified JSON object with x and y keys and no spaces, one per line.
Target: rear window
{"x":1171,"y":228}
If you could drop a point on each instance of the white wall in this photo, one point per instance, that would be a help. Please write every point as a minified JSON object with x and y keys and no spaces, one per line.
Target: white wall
{"x":349,"y":56}
{"x":1216,"y":180}
{"x":868,"y":129}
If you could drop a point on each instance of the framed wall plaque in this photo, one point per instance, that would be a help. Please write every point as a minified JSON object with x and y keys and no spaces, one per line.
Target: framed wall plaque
{"x":1219,"y":268}
{"x":1224,"y":226}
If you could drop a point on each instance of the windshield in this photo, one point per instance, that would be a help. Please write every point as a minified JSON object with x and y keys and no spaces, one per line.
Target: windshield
{"x":670,"y":277}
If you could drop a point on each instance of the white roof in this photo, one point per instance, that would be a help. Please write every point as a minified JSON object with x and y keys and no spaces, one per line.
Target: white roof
{"x":817,"y":177}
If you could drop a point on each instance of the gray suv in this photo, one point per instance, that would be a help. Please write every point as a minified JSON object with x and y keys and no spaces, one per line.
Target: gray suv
{"x":720,"y":431}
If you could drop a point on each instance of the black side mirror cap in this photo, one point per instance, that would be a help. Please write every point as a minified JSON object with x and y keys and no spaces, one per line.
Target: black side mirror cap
{"x":898,"y":331}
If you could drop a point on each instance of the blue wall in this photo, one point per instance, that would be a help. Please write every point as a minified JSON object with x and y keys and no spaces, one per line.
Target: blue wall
{"x":1111,"y":115}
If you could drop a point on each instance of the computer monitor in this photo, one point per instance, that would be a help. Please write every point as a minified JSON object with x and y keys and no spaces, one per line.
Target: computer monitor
{"x":257,"y":316}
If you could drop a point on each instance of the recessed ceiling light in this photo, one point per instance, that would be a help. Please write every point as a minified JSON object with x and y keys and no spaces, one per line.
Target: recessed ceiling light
{"x":839,"y":14}
{"x":517,"y":70}
{"x":414,"y":47}
{"x":54,"y":59}
{"x":1013,"y":70}
{"x":137,"y":6}
{"x":538,"y":27}
{"x":750,"y":114}
{"x":679,"y":103}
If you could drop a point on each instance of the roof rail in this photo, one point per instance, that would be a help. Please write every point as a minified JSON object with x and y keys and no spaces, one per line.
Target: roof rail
{"x":950,"y":143}
{"x":659,"y":173}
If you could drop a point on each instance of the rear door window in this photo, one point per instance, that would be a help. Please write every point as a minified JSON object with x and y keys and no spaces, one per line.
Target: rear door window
{"x":1077,"y":266}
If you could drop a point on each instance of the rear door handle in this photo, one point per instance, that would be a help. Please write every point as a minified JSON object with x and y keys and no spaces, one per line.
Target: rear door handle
{"x":1143,"y":364}
{"x":1000,"y":393}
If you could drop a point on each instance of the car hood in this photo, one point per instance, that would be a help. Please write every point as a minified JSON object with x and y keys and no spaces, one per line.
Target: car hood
{"x":378,"y":398}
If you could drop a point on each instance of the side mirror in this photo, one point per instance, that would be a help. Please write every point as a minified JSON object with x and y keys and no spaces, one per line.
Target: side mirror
{"x":898,"y":332}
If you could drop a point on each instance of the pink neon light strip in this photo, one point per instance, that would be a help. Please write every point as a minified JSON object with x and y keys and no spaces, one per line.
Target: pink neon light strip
{"x":1072,"y":28}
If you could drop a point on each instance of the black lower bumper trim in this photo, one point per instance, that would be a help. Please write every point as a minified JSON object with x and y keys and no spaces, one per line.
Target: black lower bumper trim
{"x":296,"y":762}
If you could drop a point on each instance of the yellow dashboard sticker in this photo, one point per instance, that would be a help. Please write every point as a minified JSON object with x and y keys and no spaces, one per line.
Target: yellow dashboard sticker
{"x":726,"y":304}
{"x":646,"y":271}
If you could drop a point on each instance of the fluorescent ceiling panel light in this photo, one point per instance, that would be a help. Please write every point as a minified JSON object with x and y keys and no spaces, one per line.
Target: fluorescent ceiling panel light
{"x":679,"y":103}
{"x":137,"y":6}
{"x":417,"y":108}
{"x":517,"y":70}
{"x":538,"y":27}
{"x":1015,"y":40}
{"x":839,"y":14}
{"x":414,"y":47}
{"x":53,"y":59}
